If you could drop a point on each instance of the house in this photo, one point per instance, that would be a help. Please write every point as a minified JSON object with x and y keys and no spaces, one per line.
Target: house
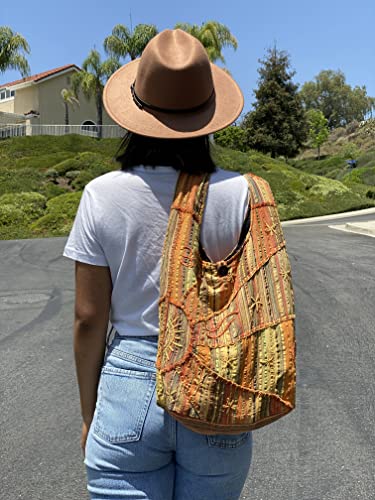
{"x":37,"y":99}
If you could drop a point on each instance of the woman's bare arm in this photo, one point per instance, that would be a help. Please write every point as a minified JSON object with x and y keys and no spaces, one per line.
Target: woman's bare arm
{"x":92,"y":307}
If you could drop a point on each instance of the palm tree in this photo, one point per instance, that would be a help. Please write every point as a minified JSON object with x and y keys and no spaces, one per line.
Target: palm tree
{"x":124,"y":42}
{"x":91,"y":80}
{"x":11,"y":47}
{"x":69,"y":97}
{"x":213,"y":35}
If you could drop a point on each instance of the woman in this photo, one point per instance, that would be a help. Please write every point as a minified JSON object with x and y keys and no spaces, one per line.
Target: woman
{"x":170,"y":101}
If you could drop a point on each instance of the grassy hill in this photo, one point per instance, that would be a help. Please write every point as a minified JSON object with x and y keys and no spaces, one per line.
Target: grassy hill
{"x":363,"y":135}
{"x":298,"y":193}
{"x":335,"y":167}
{"x":42,"y":177}
{"x":333,"y":164}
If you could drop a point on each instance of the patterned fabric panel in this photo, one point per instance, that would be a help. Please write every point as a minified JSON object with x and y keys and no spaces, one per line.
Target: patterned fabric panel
{"x":235,"y":386}
{"x":226,"y":356}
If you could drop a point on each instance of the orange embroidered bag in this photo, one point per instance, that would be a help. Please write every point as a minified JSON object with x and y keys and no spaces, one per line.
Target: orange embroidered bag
{"x":226,"y":351}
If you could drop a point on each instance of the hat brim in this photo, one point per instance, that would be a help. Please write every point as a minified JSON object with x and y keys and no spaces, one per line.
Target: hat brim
{"x":218,"y":113}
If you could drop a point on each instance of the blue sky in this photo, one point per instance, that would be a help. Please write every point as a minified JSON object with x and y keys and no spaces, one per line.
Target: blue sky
{"x":319,"y":34}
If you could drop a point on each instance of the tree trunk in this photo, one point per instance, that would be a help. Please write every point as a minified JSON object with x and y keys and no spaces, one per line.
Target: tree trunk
{"x":66,"y":118}
{"x":99,"y":116}
{"x":318,"y":152}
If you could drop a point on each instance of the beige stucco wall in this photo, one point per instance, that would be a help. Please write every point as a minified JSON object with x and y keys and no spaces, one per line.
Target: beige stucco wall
{"x":26,"y":99}
{"x":51,"y":105}
{"x":45,"y":97}
{"x":7,"y":106}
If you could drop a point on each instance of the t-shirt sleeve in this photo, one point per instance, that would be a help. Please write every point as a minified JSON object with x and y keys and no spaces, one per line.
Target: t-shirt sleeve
{"x":83,"y":242}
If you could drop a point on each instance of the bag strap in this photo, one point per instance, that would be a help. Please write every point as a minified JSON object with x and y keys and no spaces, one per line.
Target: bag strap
{"x":260,"y":191}
{"x":191,"y":193}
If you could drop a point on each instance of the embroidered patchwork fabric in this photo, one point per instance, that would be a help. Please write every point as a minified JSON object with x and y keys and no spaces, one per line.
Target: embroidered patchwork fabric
{"x":226,"y":352}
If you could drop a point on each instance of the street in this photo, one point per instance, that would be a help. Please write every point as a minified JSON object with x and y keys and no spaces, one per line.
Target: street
{"x":324,"y":450}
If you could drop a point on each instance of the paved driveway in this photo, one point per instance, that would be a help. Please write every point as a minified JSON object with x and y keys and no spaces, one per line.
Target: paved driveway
{"x":323,"y":450}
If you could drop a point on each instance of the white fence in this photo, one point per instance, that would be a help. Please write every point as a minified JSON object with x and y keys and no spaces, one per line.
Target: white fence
{"x":15,"y":130}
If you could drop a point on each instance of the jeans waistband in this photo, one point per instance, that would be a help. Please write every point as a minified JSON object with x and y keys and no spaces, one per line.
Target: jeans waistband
{"x":113,"y":334}
{"x":142,"y":349}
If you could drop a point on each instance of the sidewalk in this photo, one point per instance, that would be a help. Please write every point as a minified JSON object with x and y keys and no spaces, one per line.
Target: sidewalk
{"x":322,"y":218}
{"x":362,"y":227}
{"x":366,"y":228}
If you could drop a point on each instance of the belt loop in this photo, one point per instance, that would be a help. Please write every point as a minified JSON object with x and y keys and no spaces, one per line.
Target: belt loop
{"x":108,"y":338}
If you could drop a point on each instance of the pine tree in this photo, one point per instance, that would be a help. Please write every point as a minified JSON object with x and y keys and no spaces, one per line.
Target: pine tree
{"x":277,"y":125}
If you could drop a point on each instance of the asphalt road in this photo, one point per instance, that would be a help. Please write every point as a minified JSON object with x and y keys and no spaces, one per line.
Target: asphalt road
{"x":324,"y":450}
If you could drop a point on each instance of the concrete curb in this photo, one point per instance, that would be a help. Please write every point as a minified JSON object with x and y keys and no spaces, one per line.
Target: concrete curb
{"x":364,"y":228}
{"x":341,"y":215}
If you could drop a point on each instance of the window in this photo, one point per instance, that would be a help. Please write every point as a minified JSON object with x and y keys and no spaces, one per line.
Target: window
{"x":6,"y":94}
{"x":89,"y":125}
{"x":68,"y":80}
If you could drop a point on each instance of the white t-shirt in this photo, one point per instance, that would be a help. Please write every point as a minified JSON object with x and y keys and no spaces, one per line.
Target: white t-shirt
{"x":121,"y":223}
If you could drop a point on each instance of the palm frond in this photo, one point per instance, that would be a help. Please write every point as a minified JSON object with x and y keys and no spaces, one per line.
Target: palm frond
{"x":69,"y":96}
{"x":110,"y":66}
{"x":213,"y":35}
{"x":92,"y":63}
{"x":13,"y":46}
{"x":122,"y":32}
{"x":115,"y":47}
{"x":122,"y":42}
{"x":89,"y":84}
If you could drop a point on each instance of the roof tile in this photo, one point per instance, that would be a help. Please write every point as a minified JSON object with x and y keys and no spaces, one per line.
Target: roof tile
{"x":39,"y":76}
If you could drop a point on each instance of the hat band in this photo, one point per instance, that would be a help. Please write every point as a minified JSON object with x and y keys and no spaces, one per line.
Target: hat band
{"x":143,"y":104}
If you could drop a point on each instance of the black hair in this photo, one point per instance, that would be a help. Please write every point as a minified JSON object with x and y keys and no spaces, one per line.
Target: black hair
{"x":191,"y":155}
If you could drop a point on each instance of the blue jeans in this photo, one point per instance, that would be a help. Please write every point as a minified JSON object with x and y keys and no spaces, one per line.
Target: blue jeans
{"x":135,"y":450}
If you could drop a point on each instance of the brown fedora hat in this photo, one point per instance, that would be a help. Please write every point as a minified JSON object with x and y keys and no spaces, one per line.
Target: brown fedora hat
{"x":173,"y":91}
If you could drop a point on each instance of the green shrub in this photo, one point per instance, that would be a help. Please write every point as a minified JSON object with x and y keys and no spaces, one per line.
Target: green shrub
{"x":351,"y":151}
{"x":364,"y":175}
{"x":17,"y":210}
{"x":11,"y":216}
{"x":322,"y":167}
{"x":18,"y":180}
{"x":298,"y":192}
{"x":367,"y":159}
{"x":50,"y":190}
{"x":59,"y":216}
{"x":232,"y":137}
{"x":31,"y":205}
{"x":72,"y":174}
{"x":86,"y":166}
{"x":51,"y":174}
{"x":368,"y":176}
{"x":67,"y":165}
{"x":30,"y":159}
{"x":68,"y":145}
{"x":86,"y":176}
{"x":15,"y":232}
{"x":326,"y":188}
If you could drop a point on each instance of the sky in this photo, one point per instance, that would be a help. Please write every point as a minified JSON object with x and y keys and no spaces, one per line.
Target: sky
{"x":318,"y":34}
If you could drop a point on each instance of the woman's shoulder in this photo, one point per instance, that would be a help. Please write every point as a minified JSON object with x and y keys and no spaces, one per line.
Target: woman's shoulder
{"x":226,"y":179}
{"x":228,"y":188}
{"x":110,"y":180}
{"x":223,"y":172}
